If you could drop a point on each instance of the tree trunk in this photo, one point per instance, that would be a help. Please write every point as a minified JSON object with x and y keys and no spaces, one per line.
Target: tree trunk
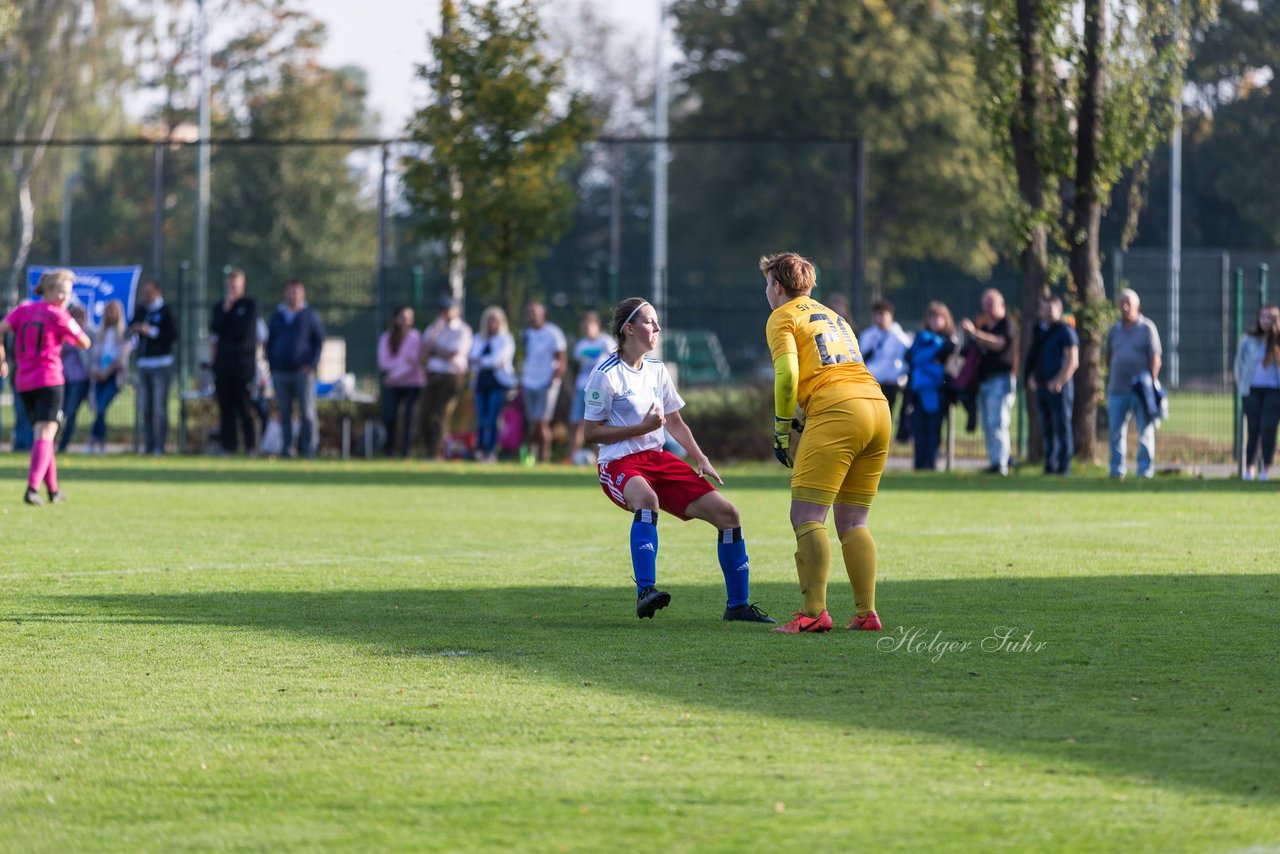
{"x":1026,"y":129}
{"x":1035,"y":265}
{"x":26,"y":234}
{"x":1086,"y":262}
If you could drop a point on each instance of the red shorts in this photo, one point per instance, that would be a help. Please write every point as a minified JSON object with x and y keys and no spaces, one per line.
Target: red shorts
{"x":676,"y":484}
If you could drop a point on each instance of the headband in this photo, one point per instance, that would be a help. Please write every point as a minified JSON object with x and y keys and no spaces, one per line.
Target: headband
{"x":639,"y":306}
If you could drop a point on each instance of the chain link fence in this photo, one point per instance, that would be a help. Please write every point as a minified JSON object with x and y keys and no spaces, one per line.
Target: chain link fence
{"x":135,"y":204}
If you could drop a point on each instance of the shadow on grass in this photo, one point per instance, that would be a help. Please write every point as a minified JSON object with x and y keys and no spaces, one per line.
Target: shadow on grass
{"x":1163,"y":678}
{"x":335,"y":473}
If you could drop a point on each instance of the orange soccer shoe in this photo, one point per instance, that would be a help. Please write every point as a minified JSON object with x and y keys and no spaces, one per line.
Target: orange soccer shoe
{"x":802,"y":624}
{"x":869,"y":623}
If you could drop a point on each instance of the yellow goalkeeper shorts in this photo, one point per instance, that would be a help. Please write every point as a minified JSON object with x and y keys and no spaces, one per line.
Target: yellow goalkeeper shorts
{"x":843,"y":448}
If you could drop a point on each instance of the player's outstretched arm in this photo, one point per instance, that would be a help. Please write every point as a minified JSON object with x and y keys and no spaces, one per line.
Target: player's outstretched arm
{"x":681,"y":433}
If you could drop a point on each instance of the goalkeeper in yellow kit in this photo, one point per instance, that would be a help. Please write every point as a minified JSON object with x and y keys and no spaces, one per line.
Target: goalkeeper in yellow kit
{"x":817,"y":365}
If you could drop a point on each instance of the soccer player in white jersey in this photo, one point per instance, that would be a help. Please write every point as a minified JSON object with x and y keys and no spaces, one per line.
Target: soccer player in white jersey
{"x":629,"y":400}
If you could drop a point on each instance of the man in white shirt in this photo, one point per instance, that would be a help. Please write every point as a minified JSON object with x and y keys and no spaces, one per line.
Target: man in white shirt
{"x":545,"y":358}
{"x":884,"y":346}
{"x":446,"y":344}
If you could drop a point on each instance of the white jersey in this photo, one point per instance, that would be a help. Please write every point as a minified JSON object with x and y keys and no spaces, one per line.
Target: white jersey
{"x":541,"y":346}
{"x":621,"y":396}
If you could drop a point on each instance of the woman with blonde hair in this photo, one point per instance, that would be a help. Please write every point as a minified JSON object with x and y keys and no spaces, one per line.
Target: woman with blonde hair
{"x":39,"y":330}
{"x":109,"y":365}
{"x":493,"y":353}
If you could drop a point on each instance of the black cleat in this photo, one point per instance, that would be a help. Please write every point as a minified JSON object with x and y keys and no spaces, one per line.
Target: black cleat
{"x":57,"y":497}
{"x":33,"y":498}
{"x":650,"y":601}
{"x":748,"y":614}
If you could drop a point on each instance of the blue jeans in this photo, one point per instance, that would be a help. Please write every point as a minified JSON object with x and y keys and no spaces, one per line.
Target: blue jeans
{"x":103,"y":394}
{"x":297,"y":386}
{"x":995,"y":405}
{"x":23,"y":432}
{"x":1118,"y":408}
{"x":153,"y":405}
{"x":1055,"y":424}
{"x":926,"y":435}
{"x":77,"y":392}
{"x":488,"y":408}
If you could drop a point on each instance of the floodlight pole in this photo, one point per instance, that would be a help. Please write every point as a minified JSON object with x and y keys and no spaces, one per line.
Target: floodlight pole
{"x":1175,"y":215}
{"x":202,"y":188}
{"x":64,"y":238}
{"x":615,"y":219}
{"x":660,"y":130}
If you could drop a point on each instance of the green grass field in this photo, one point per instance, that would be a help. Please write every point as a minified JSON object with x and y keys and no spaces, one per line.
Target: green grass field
{"x":250,"y":656}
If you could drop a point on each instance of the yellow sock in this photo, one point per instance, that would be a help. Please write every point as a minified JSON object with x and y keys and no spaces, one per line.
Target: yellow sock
{"x":859,"y":552}
{"x":813,"y":562}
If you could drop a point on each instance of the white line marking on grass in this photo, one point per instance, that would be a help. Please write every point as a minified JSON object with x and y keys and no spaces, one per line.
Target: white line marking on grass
{"x":203,"y":567}
{"x":1051,"y":528}
{"x":287,"y":564}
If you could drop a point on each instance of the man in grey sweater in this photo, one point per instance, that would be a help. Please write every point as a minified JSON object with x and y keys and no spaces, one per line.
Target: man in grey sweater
{"x":1133,"y":347}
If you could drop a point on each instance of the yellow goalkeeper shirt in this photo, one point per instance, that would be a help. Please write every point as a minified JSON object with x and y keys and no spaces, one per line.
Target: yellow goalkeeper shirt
{"x":824,"y":346}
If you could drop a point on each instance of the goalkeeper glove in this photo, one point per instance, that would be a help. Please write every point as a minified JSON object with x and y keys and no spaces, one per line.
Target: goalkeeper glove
{"x":782,"y":439}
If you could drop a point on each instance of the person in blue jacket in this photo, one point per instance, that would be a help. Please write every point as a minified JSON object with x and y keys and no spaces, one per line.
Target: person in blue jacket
{"x":926,"y":360}
{"x":295,"y":337}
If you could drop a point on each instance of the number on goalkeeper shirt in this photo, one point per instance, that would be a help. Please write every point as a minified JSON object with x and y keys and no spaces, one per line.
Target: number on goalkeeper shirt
{"x":835,"y":343}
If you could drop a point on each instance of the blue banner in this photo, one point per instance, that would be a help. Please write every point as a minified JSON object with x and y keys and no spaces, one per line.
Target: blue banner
{"x":95,"y":287}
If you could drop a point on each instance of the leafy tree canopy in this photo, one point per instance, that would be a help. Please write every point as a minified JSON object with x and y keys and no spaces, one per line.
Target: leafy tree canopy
{"x":497,"y":136}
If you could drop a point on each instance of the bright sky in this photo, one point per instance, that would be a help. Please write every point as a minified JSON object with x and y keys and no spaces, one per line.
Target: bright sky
{"x":388,"y":38}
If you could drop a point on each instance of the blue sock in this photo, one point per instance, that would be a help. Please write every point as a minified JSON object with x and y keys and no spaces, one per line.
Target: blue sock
{"x":732,"y":551}
{"x":644,"y":548}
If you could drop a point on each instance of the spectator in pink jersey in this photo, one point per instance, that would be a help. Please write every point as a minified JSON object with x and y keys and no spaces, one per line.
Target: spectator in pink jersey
{"x":39,"y":330}
{"x":400,"y":361}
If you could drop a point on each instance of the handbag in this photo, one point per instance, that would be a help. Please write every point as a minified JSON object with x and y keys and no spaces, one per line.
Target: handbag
{"x":969,"y":359}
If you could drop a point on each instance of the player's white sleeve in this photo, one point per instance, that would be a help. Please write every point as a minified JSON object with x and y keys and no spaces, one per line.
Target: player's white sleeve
{"x":671,"y":400}
{"x":598,"y":397}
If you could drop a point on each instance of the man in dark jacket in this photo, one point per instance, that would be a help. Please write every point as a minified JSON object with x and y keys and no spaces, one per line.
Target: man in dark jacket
{"x":233,"y":325}
{"x":1051,"y":363}
{"x":157,"y":329}
{"x":295,"y":337}
{"x":997,"y":339}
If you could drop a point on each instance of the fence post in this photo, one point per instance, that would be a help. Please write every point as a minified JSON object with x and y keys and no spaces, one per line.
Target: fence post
{"x":1020,"y":448}
{"x":1226,"y":317}
{"x":859,"y":156}
{"x":1235,"y":389}
{"x":1263,"y":269}
{"x":951,"y":437}
{"x":184,"y":357}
